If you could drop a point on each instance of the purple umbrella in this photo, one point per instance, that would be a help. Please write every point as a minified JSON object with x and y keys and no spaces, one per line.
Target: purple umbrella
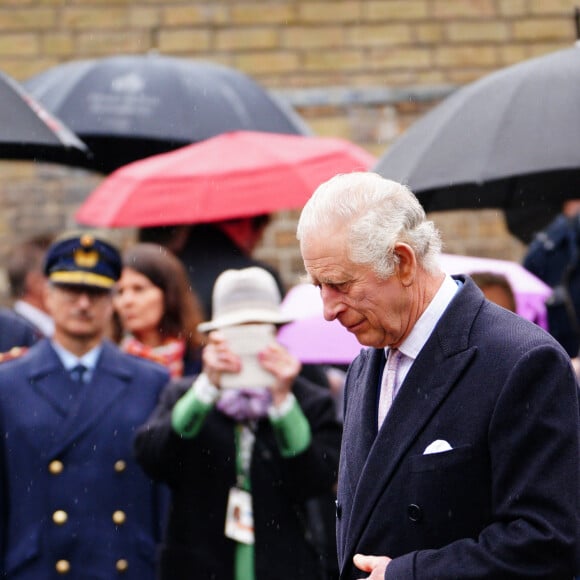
{"x":314,"y":340}
{"x":311,"y":338}
{"x":530,"y":292}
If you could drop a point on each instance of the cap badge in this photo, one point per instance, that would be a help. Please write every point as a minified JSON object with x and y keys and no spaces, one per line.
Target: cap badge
{"x":86,"y":259}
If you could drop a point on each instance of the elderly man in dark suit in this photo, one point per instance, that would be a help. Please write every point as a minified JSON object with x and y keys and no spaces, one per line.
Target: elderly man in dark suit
{"x":460,"y":453}
{"x":73,"y":501}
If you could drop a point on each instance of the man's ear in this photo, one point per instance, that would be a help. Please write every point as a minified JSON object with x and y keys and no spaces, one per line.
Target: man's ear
{"x":407,"y":267}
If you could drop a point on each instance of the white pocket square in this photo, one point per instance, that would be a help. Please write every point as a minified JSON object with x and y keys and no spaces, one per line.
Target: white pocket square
{"x":438,"y":446}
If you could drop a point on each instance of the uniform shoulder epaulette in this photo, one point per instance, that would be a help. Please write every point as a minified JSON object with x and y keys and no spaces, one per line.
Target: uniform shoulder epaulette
{"x":14,"y":353}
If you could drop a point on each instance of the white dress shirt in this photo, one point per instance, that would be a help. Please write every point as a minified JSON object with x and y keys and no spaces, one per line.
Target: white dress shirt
{"x":422,"y":330}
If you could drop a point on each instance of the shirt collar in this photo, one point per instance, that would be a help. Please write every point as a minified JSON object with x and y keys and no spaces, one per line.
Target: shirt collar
{"x":69,"y":360}
{"x":423,"y":328}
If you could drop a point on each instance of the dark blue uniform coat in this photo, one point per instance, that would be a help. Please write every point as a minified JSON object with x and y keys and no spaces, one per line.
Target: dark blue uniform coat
{"x":503,"y":503}
{"x":72,"y":497}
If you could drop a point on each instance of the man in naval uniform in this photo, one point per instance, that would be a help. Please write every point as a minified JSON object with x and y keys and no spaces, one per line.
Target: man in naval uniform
{"x":73,"y":502}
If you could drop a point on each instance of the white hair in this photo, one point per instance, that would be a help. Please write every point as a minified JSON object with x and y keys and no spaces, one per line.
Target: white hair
{"x":377,"y":214}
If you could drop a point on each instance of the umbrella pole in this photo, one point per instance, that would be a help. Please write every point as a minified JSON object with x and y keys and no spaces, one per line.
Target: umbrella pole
{"x":577,"y":21}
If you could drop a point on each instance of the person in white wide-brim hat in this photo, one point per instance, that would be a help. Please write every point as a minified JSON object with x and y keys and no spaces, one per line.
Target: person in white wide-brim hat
{"x":243,"y":448}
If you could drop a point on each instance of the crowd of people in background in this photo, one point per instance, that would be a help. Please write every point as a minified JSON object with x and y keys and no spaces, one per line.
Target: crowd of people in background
{"x":124,"y":450}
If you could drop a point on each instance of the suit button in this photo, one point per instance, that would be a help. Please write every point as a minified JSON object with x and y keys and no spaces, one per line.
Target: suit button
{"x":62,"y":566}
{"x":120,"y":466}
{"x":414,"y":512}
{"x":119,"y":517}
{"x":59,"y":517}
{"x":122,"y":565}
{"x":55,"y":467}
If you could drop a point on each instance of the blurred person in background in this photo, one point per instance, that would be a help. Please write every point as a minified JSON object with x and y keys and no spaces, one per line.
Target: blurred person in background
{"x":28,"y":282}
{"x":242,"y":461}
{"x":554,"y":257}
{"x":157,"y":314}
{"x":16,"y":335}
{"x":496,"y":287}
{"x":73,"y":500}
{"x":206,"y":250}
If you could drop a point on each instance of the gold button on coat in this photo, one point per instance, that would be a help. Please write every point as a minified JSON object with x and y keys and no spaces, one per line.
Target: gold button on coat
{"x":120,"y":466}
{"x":55,"y":467}
{"x":122,"y":565}
{"x":59,"y":517}
{"x":62,"y":566}
{"x":119,"y":517}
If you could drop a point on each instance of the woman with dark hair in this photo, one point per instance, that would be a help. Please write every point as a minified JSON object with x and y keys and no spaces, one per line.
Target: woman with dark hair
{"x":156,"y":311}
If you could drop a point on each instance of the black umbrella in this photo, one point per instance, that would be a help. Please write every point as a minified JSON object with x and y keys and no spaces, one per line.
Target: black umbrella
{"x":130,"y":107}
{"x":28,"y":131}
{"x":510,"y":140}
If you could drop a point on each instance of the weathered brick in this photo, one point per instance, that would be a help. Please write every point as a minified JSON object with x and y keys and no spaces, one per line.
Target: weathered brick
{"x":450,"y":9}
{"x":486,"y":31}
{"x":143,"y":17}
{"x":334,"y":60}
{"x":94,"y":18}
{"x":541,"y":48}
{"x":513,"y":7}
{"x":513,"y":53}
{"x":396,"y":10}
{"x":542,"y":29}
{"x":312,"y":37}
{"x":59,"y":44}
{"x":246,"y":39}
{"x":27,"y":19}
{"x":102,"y":3}
{"x":430,"y":77}
{"x":22,"y":45}
{"x":257,"y":13}
{"x":379,"y":35}
{"x":195,"y":15}
{"x":336,"y":126}
{"x":185,"y":40}
{"x":108,"y":43}
{"x":397,"y":58}
{"x":22,"y":69}
{"x":561,"y":7}
{"x":466,"y":56}
{"x":267,"y":62}
{"x":431,"y":32}
{"x":465,"y":75}
{"x":335,"y":11}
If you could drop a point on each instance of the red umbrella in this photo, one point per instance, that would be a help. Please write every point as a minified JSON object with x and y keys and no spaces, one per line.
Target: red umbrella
{"x":236,"y":174}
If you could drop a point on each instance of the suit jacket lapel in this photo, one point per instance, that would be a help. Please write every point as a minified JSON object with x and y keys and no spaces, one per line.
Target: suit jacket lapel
{"x":362,"y":404}
{"x":49,"y":379}
{"x":433,"y":374}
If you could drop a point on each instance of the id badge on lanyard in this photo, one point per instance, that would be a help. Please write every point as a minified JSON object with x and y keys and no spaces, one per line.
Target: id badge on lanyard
{"x":239,"y":524}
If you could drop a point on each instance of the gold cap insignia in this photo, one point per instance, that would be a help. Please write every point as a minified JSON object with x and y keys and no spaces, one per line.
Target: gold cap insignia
{"x":84,"y":259}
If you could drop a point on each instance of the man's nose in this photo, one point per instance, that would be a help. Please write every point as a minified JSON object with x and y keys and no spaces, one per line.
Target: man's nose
{"x":84,"y":299}
{"x":332,"y":306}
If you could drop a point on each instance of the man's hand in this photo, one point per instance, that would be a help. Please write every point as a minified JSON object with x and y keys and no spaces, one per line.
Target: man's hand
{"x":376,"y":565}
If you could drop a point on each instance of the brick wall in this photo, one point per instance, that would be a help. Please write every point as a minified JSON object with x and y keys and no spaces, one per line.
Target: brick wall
{"x":363,"y":70}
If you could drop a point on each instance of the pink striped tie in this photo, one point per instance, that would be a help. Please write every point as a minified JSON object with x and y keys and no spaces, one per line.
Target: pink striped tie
{"x":388,"y":384}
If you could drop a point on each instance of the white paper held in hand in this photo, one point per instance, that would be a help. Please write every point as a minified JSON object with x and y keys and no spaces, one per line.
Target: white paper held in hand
{"x":247,"y":340}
